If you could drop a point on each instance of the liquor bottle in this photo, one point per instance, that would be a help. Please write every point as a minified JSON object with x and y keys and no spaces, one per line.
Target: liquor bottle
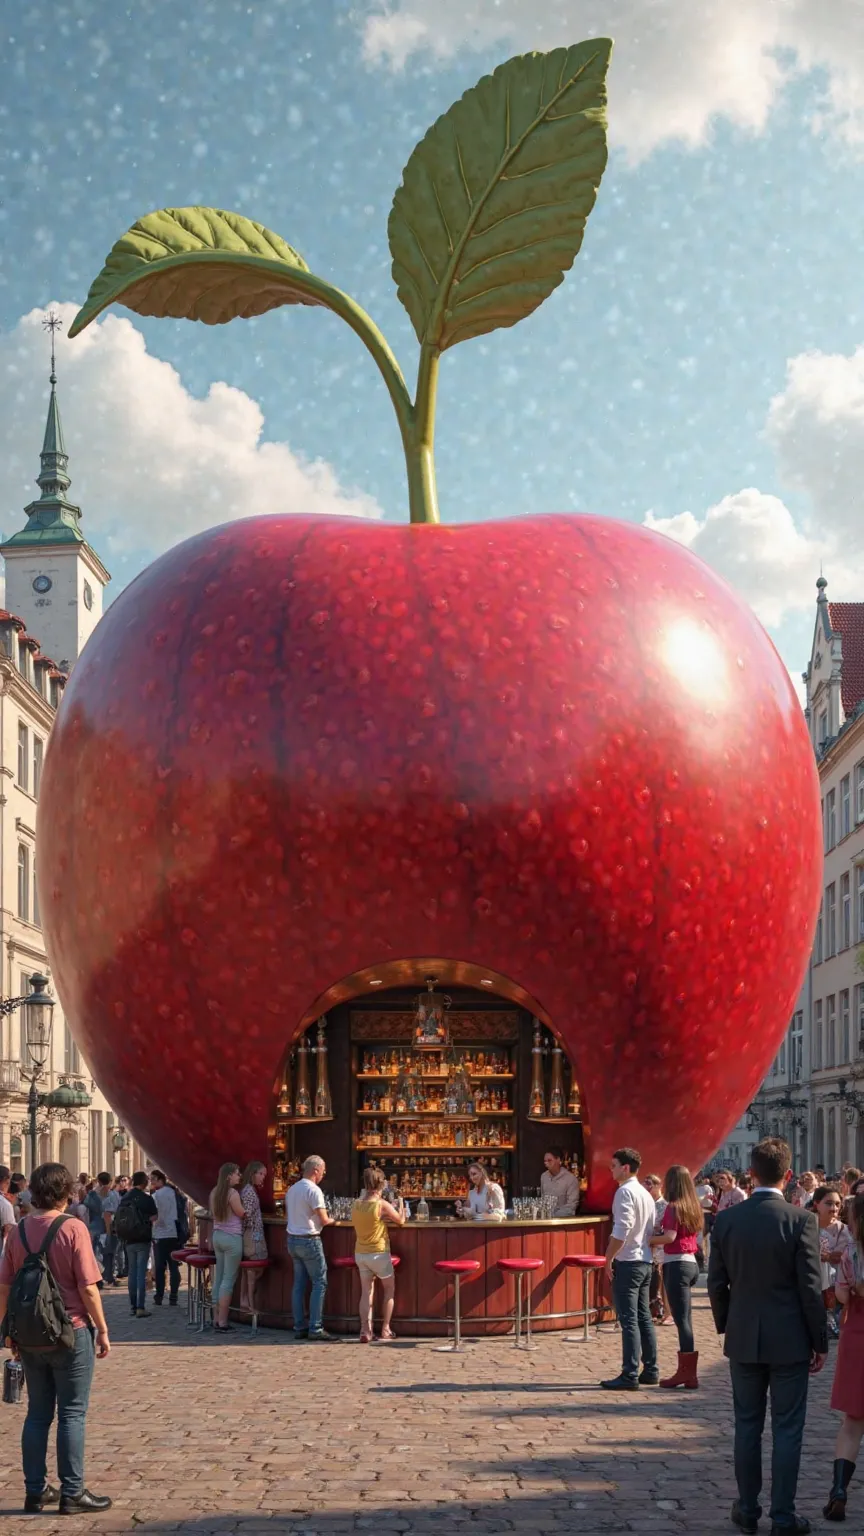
{"x":557,"y":1107}
{"x":537,"y":1096}
{"x":302,"y":1096}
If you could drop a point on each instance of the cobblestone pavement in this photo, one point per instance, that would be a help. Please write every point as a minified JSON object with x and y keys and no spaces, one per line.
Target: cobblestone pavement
{"x":196,"y":1434}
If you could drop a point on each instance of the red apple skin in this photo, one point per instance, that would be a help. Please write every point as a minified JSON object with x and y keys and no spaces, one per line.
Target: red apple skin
{"x":558,"y":747}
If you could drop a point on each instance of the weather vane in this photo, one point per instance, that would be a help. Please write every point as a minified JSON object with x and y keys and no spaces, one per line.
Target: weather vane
{"x":52,"y":322}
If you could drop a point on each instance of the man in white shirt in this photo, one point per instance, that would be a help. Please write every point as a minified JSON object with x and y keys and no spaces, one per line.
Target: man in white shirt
{"x":7,"y":1210}
{"x":560,"y":1182}
{"x":628,"y":1266}
{"x":305,"y":1215}
{"x":164,"y":1239}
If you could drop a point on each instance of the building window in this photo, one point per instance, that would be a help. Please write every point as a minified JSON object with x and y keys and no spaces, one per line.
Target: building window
{"x":24,"y":882}
{"x":817,"y":1035}
{"x":845,"y":806}
{"x":830,"y":920}
{"x":859,"y":791}
{"x":823,"y":728}
{"x":817,"y":944}
{"x":820,"y":1138}
{"x":796,"y":1045}
{"x":845,"y":1028}
{"x":830,"y":820}
{"x":38,"y":753}
{"x":71,"y":1057}
{"x":859,"y":1019}
{"x":96,"y":1150}
{"x":37,"y":916}
{"x":831,"y":1148}
{"x":860,"y":902}
{"x":831,"y":1031}
{"x":783,"y":1055}
{"x":23,"y":756}
{"x":845,"y":911}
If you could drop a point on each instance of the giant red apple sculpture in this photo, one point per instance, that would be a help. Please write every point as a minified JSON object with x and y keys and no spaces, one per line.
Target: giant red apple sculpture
{"x":301,"y":751}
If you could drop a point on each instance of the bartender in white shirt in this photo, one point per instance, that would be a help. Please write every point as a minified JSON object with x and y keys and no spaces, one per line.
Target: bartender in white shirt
{"x":560,"y":1182}
{"x":486,"y":1198}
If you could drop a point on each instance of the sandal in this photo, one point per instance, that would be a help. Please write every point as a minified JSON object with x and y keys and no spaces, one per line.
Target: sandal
{"x":365,"y":1338}
{"x":387,"y":1337}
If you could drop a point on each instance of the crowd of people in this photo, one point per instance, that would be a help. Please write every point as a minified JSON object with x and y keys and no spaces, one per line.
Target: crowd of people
{"x":785,"y":1261}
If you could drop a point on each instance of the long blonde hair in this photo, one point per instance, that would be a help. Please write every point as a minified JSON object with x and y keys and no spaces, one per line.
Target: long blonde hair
{"x":219,"y":1197}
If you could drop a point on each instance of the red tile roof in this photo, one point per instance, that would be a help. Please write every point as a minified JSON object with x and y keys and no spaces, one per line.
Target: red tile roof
{"x":847,"y":620}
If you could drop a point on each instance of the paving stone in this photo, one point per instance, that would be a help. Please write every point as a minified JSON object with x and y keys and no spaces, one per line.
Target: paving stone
{"x":193,"y":1435}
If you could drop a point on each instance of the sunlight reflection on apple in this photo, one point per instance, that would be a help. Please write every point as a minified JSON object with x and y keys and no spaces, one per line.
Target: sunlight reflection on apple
{"x":694,"y":658}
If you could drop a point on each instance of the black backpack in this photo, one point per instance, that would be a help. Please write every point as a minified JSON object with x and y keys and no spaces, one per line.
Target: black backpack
{"x":182,"y":1217}
{"x":130,"y":1224}
{"x":36,"y":1317}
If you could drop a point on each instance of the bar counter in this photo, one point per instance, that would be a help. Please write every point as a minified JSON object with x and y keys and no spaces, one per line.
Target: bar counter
{"x":423,"y":1296}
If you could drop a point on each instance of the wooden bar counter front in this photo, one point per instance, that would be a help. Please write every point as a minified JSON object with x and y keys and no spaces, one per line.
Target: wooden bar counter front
{"x":424,"y":1302}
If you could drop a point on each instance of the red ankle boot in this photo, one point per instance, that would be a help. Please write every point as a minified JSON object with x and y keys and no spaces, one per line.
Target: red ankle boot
{"x":685,"y":1376}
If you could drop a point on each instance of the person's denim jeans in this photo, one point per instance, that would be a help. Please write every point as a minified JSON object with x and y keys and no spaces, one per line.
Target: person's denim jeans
{"x":57,"y":1379}
{"x":228,"y":1248}
{"x":109,"y":1258}
{"x":307,"y":1256}
{"x":163,"y":1248}
{"x":631,"y":1283}
{"x":751,"y":1385}
{"x":137,"y":1255}
{"x":680,"y":1279}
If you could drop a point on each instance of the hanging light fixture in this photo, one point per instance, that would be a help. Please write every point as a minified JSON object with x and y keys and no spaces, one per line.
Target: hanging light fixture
{"x":303,"y":1098}
{"x":430,"y":1028}
{"x":458,"y":1094}
{"x":323,"y":1100}
{"x":285,"y":1103}
{"x":574,"y":1101}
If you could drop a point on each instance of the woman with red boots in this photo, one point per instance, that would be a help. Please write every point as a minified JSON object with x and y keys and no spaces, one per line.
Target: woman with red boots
{"x":677,"y":1243}
{"x":847,"y":1393}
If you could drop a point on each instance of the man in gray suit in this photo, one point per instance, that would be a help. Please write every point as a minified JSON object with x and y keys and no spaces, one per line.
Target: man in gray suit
{"x":765,"y":1289}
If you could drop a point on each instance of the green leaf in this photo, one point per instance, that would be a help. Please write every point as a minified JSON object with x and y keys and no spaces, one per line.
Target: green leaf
{"x":200,"y":264}
{"x":493,"y":202}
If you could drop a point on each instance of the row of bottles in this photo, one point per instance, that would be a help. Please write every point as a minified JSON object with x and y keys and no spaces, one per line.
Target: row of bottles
{"x":436,"y":1133}
{"x":286,"y":1170}
{"x":432,"y":1100}
{"x":301,"y":1105}
{"x":559,"y":1105}
{"x":394,"y":1061}
{"x":420,"y":1178}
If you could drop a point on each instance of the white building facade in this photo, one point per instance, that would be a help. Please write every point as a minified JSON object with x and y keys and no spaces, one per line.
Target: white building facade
{"x":814,"y":1094}
{"x":54,"y":588}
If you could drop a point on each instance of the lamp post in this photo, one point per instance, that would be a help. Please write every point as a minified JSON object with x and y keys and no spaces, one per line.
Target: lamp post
{"x":38,"y":1009}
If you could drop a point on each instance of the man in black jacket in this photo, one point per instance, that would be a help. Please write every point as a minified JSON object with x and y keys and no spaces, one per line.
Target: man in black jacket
{"x":765,"y":1289}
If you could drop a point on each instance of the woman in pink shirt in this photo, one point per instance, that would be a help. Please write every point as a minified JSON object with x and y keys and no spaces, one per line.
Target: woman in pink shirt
{"x":58,"y":1378}
{"x":730,"y":1193}
{"x":677,"y":1242}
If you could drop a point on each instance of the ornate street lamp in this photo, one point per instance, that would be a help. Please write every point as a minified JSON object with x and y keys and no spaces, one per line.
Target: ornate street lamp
{"x":38,"y":1010}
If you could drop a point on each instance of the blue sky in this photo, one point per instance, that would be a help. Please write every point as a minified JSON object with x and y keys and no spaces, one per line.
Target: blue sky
{"x":644,"y":384}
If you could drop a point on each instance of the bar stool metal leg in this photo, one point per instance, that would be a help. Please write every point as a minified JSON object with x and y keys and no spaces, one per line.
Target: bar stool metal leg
{"x":456,"y":1347}
{"x":518,"y":1333}
{"x":520,"y":1342}
{"x":585,"y":1336}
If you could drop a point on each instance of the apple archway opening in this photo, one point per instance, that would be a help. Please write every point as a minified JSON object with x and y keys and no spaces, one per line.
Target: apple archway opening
{"x":358,"y":1009}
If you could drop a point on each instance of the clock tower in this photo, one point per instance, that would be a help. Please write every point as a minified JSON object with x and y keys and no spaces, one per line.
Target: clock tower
{"x":54,"y":580}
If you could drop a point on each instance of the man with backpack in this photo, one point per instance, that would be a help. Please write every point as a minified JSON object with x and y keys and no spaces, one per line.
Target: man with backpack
{"x":133,"y":1224}
{"x":50,"y":1300}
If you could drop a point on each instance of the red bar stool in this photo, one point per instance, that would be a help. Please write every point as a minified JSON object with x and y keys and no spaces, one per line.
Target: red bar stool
{"x":519,"y":1268}
{"x":589,"y":1263}
{"x":455,"y":1269}
{"x":202,"y":1264}
{"x":253,"y":1264}
{"x":181,"y":1256}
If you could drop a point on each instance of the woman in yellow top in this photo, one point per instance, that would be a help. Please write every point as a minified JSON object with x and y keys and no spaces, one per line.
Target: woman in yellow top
{"x":371,"y":1217}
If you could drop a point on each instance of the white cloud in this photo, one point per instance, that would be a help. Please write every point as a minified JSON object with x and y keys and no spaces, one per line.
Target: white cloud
{"x":751,"y":539}
{"x":816,"y":427}
{"x":150,"y":463}
{"x":677,"y":66}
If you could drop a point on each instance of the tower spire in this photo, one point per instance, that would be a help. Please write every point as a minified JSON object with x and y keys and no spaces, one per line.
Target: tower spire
{"x":53,"y":479}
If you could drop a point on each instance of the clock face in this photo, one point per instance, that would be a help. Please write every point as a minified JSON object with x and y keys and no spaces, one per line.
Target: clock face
{"x":42,"y":584}
{"x":88,"y":595}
